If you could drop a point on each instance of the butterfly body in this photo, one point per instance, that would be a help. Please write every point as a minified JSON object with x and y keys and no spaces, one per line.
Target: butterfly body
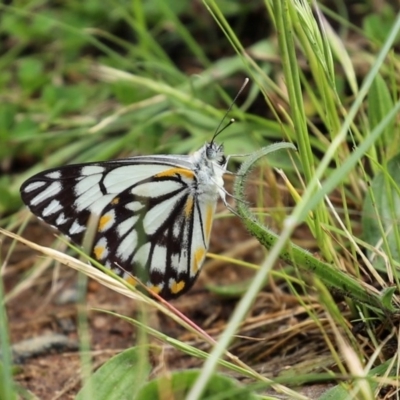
{"x":152,"y":214}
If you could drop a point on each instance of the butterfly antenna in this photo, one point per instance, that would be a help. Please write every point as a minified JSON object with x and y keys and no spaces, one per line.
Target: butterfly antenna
{"x":219,"y":130}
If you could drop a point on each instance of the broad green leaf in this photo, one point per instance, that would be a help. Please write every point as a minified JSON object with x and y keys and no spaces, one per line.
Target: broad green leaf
{"x":31,"y":74}
{"x":178,"y":384}
{"x":380,"y":223}
{"x":119,"y":378}
{"x":379,"y":104}
{"x":378,"y":25}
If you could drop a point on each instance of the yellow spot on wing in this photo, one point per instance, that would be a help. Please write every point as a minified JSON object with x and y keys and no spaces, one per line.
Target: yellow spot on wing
{"x":189,"y":207}
{"x":187,"y":173}
{"x":104,"y":220}
{"x":131,"y":280}
{"x":177,"y":287}
{"x":98,"y":252}
{"x":115,"y":200}
{"x":155,"y":289}
{"x":198,"y":259}
{"x":209,"y":221}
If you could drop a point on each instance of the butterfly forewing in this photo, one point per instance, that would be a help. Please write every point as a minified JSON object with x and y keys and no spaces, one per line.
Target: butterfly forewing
{"x":153,"y":215}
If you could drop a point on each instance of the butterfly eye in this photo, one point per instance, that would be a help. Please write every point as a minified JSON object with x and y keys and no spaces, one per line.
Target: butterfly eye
{"x":213,"y":151}
{"x":210,"y":152}
{"x":216,"y":153}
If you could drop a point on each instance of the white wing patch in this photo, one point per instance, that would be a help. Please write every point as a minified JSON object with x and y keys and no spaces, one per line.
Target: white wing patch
{"x":53,"y":175}
{"x":127,"y":246}
{"x":61,"y":219}
{"x":53,"y":189}
{"x":87,"y":185}
{"x":120,"y":178}
{"x":155,"y":189}
{"x":124,"y":227}
{"x":52,"y":208}
{"x":34,"y":185}
{"x":91,"y":170}
{"x":134,"y":206}
{"x":142,"y":254}
{"x":76,"y":228}
{"x":159,"y":213}
{"x":158,"y":258}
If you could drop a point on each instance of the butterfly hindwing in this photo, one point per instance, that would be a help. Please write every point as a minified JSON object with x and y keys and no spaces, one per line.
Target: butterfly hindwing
{"x":150,"y":227}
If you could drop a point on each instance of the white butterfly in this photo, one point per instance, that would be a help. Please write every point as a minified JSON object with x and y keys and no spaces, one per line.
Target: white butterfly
{"x":154,"y":213}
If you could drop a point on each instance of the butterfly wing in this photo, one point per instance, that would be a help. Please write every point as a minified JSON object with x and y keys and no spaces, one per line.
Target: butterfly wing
{"x":150,"y":220}
{"x":162,"y":240}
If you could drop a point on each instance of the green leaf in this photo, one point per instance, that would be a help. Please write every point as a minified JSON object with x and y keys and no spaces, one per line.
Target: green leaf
{"x":387,"y":296}
{"x":119,"y":378}
{"x":377,"y":25}
{"x":9,"y":199}
{"x":380,"y":222}
{"x":31,"y":74}
{"x":380,"y":103}
{"x":7,"y":116}
{"x":234,"y":290}
{"x":341,"y":392}
{"x":178,"y":384}
{"x":61,"y":99}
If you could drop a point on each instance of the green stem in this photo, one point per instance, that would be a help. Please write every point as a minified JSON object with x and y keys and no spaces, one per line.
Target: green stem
{"x":337,"y":282}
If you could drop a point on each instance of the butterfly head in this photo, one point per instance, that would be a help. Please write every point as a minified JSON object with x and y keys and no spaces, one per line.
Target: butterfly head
{"x":215,"y":153}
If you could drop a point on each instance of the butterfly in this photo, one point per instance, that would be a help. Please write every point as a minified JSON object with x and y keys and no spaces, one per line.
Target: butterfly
{"x":153,"y":214}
